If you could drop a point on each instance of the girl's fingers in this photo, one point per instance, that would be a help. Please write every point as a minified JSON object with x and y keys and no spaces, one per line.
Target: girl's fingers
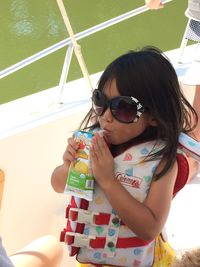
{"x":93,"y":155}
{"x":103,"y":144}
{"x":71,"y":150}
{"x":100,"y":144}
{"x":73,"y":143}
{"x":68,"y":159}
{"x":97,"y":146}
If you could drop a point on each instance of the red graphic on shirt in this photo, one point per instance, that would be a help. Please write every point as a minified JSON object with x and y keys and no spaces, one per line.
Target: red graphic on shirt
{"x":127,"y":157}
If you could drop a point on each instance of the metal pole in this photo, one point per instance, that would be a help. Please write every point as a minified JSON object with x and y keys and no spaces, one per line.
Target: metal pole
{"x":77,"y":47}
{"x":65,"y":71}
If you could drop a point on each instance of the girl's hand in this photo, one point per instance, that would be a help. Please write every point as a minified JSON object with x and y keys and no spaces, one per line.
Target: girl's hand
{"x":102,"y":162}
{"x":70,"y":152}
{"x":59,"y":175}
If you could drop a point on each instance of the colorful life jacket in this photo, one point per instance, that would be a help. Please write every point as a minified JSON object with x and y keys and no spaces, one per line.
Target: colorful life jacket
{"x":96,"y":234}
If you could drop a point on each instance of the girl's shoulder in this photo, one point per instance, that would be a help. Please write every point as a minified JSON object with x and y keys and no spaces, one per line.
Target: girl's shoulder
{"x":148,"y":147}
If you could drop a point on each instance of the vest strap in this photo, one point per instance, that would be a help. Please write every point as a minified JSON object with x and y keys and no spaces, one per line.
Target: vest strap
{"x":190,"y":146}
{"x":82,"y":216}
{"x":90,"y":217}
{"x":81,"y":240}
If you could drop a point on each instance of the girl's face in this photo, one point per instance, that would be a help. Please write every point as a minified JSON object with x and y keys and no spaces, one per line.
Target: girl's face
{"x":117,"y":132}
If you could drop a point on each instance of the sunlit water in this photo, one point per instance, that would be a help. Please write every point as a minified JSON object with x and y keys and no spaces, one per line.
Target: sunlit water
{"x":28,"y":27}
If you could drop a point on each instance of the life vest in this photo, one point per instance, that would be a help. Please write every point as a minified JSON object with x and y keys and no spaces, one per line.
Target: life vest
{"x":96,"y":234}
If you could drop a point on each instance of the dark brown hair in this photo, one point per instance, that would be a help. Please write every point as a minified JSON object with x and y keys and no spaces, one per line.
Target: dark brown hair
{"x":149,"y":76}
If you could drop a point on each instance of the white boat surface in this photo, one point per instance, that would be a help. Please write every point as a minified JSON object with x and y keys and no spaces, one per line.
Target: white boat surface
{"x":33,"y":136}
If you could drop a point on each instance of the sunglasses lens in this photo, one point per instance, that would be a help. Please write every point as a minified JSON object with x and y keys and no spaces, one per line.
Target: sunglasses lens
{"x":124,"y":109}
{"x":98,"y":102}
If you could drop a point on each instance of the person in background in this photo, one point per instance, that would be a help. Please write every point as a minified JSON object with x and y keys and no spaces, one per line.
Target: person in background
{"x":154,"y":4}
{"x":45,"y":251}
{"x":4,"y":259}
{"x":193,"y":11}
{"x":136,"y":165}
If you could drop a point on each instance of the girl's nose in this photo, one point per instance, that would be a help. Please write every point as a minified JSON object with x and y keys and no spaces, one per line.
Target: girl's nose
{"x":107,"y":116}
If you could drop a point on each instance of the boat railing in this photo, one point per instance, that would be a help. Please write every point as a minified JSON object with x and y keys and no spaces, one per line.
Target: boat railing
{"x":70,"y":48}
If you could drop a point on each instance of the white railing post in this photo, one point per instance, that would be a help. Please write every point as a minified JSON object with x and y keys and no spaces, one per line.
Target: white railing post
{"x":65,"y":71}
{"x":77,"y":47}
{"x":183,"y":43}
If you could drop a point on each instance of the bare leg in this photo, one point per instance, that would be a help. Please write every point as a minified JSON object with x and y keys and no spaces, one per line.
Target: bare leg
{"x":42,"y":252}
{"x":196,"y":105}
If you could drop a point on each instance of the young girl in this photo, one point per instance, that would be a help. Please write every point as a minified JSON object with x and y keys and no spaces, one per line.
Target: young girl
{"x":138,"y":165}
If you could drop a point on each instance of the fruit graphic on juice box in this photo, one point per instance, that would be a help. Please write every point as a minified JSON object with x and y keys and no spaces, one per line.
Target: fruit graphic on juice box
{"x":81,"y":167}
{"x":80,"y":181}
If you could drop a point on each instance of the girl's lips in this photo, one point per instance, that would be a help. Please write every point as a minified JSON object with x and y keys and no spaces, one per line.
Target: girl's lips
{"x":106,"y":131}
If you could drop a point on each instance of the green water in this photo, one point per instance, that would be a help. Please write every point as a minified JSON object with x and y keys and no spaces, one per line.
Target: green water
{"x":26,"y":27}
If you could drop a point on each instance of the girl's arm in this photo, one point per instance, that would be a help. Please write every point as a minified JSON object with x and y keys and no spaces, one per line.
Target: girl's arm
{"x":144,"y":219}
{"x":59,"y":175}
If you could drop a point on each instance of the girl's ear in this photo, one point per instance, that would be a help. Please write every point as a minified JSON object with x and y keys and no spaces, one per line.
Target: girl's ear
{"x":153,"y":121}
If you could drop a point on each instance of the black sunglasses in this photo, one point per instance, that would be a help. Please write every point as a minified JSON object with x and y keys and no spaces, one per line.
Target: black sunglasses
{"x":126,"y":109}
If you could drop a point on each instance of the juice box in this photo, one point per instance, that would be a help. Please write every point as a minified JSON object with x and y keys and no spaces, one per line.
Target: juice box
{"x":80,"y":181}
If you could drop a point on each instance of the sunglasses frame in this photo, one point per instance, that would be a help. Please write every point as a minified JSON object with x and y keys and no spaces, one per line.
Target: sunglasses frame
{"x":140,"y":109}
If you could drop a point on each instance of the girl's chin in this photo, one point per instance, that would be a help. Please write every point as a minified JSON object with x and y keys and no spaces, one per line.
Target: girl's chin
{"x":111,"y":141}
